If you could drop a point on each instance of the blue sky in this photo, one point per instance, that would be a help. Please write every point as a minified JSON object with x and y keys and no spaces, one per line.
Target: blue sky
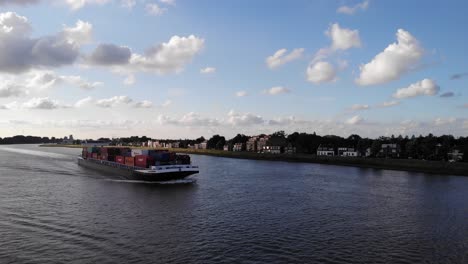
{"x":171,"y":69}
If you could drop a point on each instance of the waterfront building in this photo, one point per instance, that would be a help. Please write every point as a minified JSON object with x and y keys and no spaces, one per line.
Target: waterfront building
{"x":325,"y":151}
{"x":390,"y":151}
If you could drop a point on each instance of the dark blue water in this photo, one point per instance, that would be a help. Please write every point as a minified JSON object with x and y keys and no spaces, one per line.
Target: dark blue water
{"x":237,"y":211}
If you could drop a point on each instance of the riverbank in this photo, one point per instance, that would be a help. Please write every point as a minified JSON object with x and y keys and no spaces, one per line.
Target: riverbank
{"x":433,"y":167}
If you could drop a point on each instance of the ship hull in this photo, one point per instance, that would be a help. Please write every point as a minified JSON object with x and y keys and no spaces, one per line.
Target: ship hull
{"x":123,"y":172}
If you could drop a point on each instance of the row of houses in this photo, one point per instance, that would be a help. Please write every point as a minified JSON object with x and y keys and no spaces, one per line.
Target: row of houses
{"x":157,"y":144}
{"x":386,"y":150}
{"x":263,"y":144}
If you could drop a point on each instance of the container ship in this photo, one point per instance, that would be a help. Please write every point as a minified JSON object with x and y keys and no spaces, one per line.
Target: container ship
{"x":137,"y":164}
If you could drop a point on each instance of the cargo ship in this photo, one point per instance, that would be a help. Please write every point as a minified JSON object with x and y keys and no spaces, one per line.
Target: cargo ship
{"x":137,"y":164}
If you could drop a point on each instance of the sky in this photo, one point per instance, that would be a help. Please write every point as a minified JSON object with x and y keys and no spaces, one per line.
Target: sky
{"x":184,"y":69}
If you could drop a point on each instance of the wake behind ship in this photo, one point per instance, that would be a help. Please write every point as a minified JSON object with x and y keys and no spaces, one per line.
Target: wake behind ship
{"x":137,"y":164}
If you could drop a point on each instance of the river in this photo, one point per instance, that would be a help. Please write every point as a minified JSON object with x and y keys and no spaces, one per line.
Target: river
{"x":233,"y":211}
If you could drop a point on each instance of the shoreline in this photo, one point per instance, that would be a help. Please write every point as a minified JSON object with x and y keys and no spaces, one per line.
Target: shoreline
{"x":431,"y":167}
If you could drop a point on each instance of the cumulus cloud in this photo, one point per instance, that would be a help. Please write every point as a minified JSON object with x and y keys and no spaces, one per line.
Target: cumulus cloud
{"x":43,"y":103}
{"x":425,"y":87}
{"x":354,"y":120}
{"x":19,"y":52}
{"x":168,"y":2}
{"x":130,"y":80}
{"x":143,"y":104}
{"x":246,"y":119}
{"x":447,"y":94}
{"x":12,"y":90}
{"x":396,"y":60}
{"x":77,"y":4}
{"x":208,"y":70}
{"x":113,"y":101}
{"x":277,"y":90}
{"x":45,"y":80}
{"x":190,"y":120}
{"x":81,"y":33}
{"x":281,"y":57}
{"x":351,"y":10}
{"x":168,"y":57}
{"x":154,"y":9}
{"x":321,"y":72}
{"x":389,"y":104}
{"x":110,"y":54}
{"x":241,"y":93}
{"x":343,"y":38}
{"x":166,"y":103}
{"x":444,"y":121}
{"x":357,"y":107}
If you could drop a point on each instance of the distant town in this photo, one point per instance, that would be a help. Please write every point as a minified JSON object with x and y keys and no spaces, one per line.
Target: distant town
{"x":427,"y":147}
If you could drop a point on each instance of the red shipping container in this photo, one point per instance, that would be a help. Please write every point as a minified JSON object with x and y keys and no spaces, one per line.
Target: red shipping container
{"x":120,"y":159}
{"x":143,"y":161}
{"x":94,"y":156}
{"x":130,"y":161}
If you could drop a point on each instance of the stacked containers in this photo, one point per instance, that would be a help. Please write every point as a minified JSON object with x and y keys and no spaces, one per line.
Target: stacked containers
{"x":143,"y":161}
{"x":126,"y":152}
{"x":94,"y":155}
{"x":120,"y":159}
{"x":130,"y":161}
{"x":139,"y":152}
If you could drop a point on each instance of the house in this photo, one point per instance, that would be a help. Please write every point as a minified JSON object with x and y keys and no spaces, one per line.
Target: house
{"x":325,"y":151}
{"x":368,"y":152}
{"x":251,"y":144}
{"x":226,"y":148}
{"x":389,"y":151}
{"x":455,"y":155}
{"x":261,"y":142}
{"x":347,"y":152}
{"x":239,"y":147}
{"x":290,"y":149}
{"x":272,"y":149}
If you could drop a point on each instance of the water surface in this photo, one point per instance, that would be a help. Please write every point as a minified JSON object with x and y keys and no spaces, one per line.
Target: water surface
{"x":237,"y":211}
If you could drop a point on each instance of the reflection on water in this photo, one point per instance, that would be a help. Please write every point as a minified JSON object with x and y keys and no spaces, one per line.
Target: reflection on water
{"x":234,"y":211}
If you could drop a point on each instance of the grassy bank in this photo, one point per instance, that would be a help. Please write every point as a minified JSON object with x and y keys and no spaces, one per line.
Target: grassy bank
{"x":435,"y":167}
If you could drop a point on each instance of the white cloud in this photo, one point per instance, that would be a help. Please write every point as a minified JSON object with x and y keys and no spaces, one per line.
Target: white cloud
{"x":354,"y":120}
{"x":45,"y":80}
{"x":84,"y":102}
{"x":154,"y":9}
{"x":166,"y":57}
{"x":343,"y":38}
{"x":77,"y":4}
{"x":189,"y":120}
{"x":208,"y":70}
{"x":277,"y":90}
{"x":396,"y":60}
{"x":143,"y":104}
{"x":444,"y":121}
{"x":245,"y":119}
{"x":425,"y":87}
{"x":357,"y":107}
{"x":389,"y":104}
{"x":281,"y":57}
{"x":241,"y":93}
{"x":168,"y":2}
{"x":113,"y":101}
{"x":43,"y":103}
{"x":321,"y":72}
{"x":12,"y":90}
{"x":19,"y":52}
{"x":81,"y":33}
{"x":350,"y":10}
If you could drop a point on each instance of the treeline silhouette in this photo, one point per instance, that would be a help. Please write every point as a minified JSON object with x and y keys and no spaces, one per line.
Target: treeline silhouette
{"x":427,"y":147}
{"x":20,"y":139}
